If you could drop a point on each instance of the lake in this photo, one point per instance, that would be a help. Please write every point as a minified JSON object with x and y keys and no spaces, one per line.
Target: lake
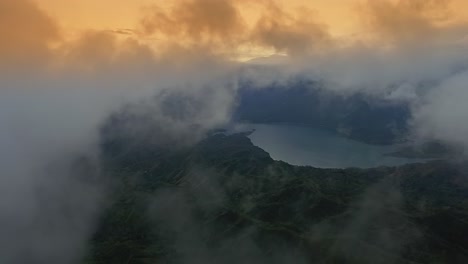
{"x":301,"y":145}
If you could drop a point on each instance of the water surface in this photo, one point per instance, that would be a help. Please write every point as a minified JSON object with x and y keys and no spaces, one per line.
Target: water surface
{"x":300,"y":145}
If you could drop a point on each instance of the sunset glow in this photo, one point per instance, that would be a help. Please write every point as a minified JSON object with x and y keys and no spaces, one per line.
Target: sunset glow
{"x":245,"y":29}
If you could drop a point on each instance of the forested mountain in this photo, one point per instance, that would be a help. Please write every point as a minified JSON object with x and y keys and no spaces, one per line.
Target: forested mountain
{"x":224,"y":200}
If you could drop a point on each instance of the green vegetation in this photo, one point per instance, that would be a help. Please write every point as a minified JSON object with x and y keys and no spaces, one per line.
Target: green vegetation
{"x":224,"y":200}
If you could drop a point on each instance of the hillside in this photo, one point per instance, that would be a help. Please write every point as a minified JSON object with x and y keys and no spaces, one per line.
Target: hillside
{"x":223,"y":200}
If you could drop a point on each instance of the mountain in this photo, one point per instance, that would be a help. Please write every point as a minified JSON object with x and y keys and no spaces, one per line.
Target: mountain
{"x":357,"y":116}
{"x":224,"y":200}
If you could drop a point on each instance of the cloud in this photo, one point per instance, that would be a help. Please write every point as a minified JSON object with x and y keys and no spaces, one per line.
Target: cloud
{"x":196,"y":22}
{"x":295,"y":33}
{"x":443,"y":114}
{"x":55,"y":93}
{"x":26,"y":32}
{"x":176,"y":211}
{"x":378,"y":226}
{"x":222,"y":26}
{"x":416,"y":54}
{"x":405,"y":21}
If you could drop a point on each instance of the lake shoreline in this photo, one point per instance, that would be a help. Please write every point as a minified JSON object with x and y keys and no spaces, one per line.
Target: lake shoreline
{"x":303,"y":145}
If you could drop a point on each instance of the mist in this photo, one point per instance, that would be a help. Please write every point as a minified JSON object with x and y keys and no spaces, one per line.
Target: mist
{"x":57,"y":89}
{"x":55,"y":93}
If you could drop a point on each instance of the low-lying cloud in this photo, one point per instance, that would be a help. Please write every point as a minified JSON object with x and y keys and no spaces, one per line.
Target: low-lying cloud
{"x":55,"y":91}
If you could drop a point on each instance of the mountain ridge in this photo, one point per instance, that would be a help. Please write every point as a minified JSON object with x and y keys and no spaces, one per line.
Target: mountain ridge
{"x":224,"y":200}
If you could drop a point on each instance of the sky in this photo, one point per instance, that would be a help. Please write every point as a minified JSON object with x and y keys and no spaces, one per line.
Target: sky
{"x":75,"y":16}
{"x":124,"y":14}
{"x":345,"y":19}
{"x":105,"y":14}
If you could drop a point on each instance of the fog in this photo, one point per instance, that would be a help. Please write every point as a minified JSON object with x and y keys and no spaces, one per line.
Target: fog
{"x":56,"y":90}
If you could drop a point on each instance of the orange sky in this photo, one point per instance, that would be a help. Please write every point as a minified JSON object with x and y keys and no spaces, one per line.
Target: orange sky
{"x":339,"y":15}
{"x":109,"y":14}
{"x":245,"y":29}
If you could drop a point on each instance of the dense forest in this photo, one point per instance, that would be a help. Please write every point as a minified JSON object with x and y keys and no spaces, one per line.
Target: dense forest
{"x":224,"y":200}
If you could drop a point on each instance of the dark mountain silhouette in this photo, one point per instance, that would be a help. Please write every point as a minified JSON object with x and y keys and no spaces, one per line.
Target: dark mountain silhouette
{"x":357,"y":116}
